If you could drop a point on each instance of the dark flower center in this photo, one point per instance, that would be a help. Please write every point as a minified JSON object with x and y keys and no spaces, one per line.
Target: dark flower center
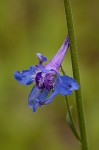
{"x":45,"y":80}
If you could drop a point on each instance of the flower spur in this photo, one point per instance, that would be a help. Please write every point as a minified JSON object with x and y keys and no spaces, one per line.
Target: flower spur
{"x":48,"y":81}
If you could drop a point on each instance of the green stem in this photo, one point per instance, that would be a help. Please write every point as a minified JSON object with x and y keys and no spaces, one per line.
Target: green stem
{"x":75,"y":68}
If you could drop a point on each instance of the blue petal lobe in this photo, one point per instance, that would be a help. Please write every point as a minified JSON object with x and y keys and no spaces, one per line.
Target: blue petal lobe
{"x":35,"y":105}
{"x":54,"y":93}
{"x":33,"y":101}
{"x":26,"y":77}
{"x":36,"y":98}
{"x":69,"y":82}
{"x":63,"y":90}
{"x":66,"y":84}
{"x":43,"y":96}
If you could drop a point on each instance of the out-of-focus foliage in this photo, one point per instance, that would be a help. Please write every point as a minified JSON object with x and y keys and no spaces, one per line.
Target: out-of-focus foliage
{"x":31,"y":26}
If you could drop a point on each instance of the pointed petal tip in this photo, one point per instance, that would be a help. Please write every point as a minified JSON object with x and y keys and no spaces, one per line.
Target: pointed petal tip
{"x":41,"y":58}
{"x":66,"y":41}
{"x":16,"y":75}
{"x":34,"y":109}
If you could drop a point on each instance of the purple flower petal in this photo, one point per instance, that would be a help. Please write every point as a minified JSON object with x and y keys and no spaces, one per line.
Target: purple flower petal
{"x":56,"y":61}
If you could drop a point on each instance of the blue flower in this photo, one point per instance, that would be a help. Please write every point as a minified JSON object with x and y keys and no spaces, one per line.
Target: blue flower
{"x":47,"y":79}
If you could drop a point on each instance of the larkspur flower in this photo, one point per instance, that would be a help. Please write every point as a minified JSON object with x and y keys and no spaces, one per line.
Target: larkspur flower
{"x":47,"y":79}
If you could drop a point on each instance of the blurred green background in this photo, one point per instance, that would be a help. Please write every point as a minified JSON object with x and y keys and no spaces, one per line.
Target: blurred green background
{"x":31,"y":26}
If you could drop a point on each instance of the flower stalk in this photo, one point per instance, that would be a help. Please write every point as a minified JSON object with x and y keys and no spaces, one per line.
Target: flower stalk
{"x":69,"y":117}
{"x":75,"y":68}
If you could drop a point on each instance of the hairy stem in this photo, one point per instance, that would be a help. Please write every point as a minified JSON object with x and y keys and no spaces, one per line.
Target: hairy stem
{"x":75,"y":68}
